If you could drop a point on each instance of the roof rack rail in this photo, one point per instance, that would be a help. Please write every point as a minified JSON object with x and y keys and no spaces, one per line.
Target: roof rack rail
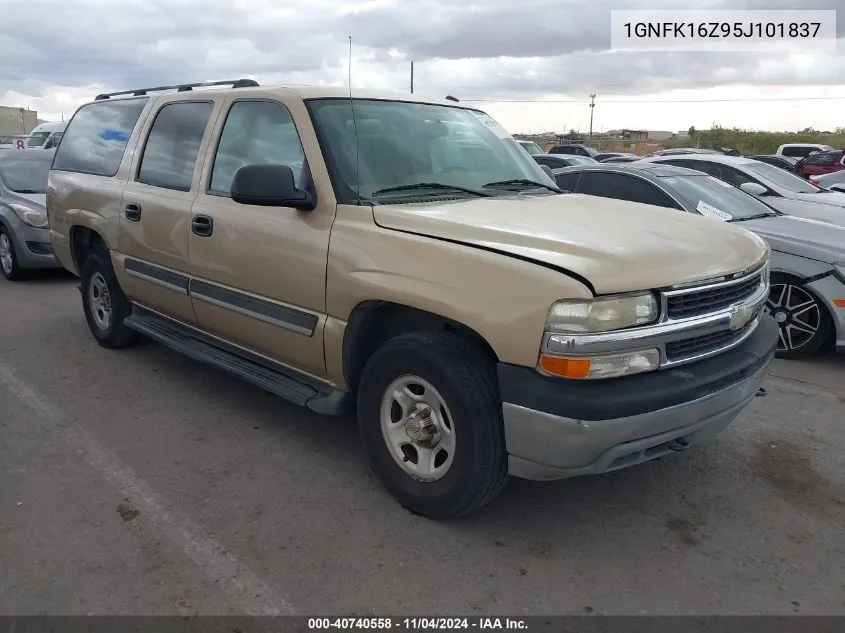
{"x":235,"y":83}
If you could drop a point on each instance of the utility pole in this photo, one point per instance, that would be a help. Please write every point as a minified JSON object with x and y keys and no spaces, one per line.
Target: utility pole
{"x":412,"y":76}
{"x":592,"y":106}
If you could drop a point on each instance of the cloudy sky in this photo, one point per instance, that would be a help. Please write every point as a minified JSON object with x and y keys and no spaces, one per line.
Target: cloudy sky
{"x":531,"y":64}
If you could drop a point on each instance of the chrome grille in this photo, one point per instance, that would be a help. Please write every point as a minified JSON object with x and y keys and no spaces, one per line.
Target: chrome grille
{"x":698,"y":302}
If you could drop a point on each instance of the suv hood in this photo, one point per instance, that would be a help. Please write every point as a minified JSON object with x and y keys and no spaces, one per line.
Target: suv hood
{"x":618,"y":246}
{"x":802,"y":237}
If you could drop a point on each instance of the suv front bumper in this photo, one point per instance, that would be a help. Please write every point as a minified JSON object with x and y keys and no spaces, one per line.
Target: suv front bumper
{"x":556,"y":428}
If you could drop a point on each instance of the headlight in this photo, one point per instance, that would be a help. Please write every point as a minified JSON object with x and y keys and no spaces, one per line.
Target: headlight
{"x":602,"y":365}
{"x":29,"y":216}
{"x":603,"y":314}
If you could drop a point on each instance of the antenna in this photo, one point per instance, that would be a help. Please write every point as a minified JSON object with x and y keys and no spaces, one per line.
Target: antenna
{"x":354,"y":125}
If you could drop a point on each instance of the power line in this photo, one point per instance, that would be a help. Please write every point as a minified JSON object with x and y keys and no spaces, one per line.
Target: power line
{"x":610,"y":101}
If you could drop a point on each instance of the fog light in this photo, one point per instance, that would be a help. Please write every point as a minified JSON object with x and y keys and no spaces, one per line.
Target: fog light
{"x":604,"y":366}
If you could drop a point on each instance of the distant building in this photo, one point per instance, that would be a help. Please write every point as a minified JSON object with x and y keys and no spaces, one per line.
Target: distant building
{"x":659,"y":135}
{"x":17,"y":121}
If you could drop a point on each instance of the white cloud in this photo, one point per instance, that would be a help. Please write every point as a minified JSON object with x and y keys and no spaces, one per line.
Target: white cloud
{"x":495,"y":49}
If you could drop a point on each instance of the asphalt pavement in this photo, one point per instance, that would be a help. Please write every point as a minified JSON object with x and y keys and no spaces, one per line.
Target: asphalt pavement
{"x":141,"y":482}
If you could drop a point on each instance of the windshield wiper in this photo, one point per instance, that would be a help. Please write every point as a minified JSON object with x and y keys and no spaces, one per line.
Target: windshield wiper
{"x":26,"y":191}
{"x":754,"y":217}
{"x":521,"y":181}
{"x":432,"y":185}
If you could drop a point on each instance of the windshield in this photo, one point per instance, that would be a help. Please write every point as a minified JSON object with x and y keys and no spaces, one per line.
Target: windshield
{"x":402,"y":143}
{"x":779,"y":178}
{"x":715,"y":198}
{"x":531,"y":147}
{"x":25,"y":176}
{"x":36,"y":139}
{"x":591,"y":150}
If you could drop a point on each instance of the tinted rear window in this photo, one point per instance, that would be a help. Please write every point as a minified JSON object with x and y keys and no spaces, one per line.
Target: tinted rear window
{"x":95,"y":140}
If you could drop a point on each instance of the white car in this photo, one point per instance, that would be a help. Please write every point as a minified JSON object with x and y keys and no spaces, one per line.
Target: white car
{"x":47,"y":135}
{"x":776,"y":187}
{"x":834,"y":181}
{"x":802,"y":150}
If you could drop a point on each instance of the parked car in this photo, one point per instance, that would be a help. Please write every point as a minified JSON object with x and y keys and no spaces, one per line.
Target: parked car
{"x":605,"y":155}
{"x":574,"y":149}
{"x":801,"y":150}
{"x":784,"y":191}
{"x":47,"y":135}
{"x":473,"y":338}
{"x":821,"y":163}
{"x":784,"y":162}
{"x":807,"y":295}
{"x":24,"y":235}
{"x":554,"y":161}
{"x":531,"y":147}
{"x":832,"y":182}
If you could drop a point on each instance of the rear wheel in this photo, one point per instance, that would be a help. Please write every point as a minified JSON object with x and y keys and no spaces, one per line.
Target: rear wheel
{"x":104,"y":303}
{"x":430,"y":418}
{"x":9,"y":266}
{"x":804,"y":324}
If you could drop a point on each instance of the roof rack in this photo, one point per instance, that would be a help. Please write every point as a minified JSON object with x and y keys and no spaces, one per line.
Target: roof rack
{"x":139,"y":92}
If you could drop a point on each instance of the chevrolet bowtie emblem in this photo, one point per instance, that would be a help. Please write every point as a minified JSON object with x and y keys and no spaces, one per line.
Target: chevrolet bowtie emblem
{"x":740,"y":317}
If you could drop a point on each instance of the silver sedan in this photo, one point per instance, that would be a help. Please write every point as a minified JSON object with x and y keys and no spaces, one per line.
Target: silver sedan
{"x":24,"y":233}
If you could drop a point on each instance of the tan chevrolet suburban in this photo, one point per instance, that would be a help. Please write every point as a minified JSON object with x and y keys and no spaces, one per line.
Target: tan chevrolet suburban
{"x":405,"y":258}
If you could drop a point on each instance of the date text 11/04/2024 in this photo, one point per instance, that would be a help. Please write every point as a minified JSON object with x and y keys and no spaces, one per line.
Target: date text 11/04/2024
{"x":417,"y":624}
{"x":717,"y":30}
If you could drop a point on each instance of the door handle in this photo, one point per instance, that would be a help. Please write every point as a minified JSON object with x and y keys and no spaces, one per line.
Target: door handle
{"x":202,"y":225}
{"x":132,"y":211}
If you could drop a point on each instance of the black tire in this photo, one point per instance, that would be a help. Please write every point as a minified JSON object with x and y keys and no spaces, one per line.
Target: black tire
{"x":466,"y":380}
{"x":787,"y":303}
{"x":116,"y":335}
{"x":15,"y":273}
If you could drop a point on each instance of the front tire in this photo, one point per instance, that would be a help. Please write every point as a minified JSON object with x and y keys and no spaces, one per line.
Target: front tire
{"x":430,"y":418}
{"x":804,"y":324}
{"x":105,"y":305}
{"x":9,"y":267}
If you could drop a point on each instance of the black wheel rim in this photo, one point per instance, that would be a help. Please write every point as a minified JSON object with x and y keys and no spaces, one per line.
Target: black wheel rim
{"x":797,"y":314}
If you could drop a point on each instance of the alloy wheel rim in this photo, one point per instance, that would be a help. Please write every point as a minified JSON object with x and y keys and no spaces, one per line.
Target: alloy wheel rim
{"x":99,"y":300}
{"x":418,"y":428}
{"x":797,"y":314}
{"x":5,"y":253}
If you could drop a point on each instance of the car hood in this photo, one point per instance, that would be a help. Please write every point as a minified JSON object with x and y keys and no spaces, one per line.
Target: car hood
{"x":29,"y":199}
{"x":800,"y":209}
{"x":826,"y":197}
{"x":799,"y":236}
{"x":618,"y":246}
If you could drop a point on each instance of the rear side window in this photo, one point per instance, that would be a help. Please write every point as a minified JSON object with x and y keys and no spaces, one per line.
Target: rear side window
{"x":170,"y":155}
{"x":95,"y":140}
{"x":802,"y":151}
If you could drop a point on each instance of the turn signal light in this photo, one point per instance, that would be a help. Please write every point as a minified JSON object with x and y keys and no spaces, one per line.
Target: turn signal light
{"x":566,"y":367}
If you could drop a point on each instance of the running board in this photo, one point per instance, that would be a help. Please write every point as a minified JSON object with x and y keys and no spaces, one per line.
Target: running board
{"x":278,"y":380}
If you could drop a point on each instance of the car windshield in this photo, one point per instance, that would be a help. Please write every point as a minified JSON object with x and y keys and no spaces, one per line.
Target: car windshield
{"x":36,"y":139}
{"x":531,"y":147}
{"x":424,"y":149}
{"x":715,"y":198}
{"x":25,"y":175}
{"x":779,"y":178}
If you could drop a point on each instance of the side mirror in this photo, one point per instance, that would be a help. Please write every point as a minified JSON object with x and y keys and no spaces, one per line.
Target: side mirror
{"x":548,"y":171}
{"x":754,"y":188}
{"x":269,"y":186}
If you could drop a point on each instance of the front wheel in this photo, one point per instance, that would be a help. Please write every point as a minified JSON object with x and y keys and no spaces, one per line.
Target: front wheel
{"x":430,"y":419}
{"x":804,"y":324}
{"x":9,"y":266}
